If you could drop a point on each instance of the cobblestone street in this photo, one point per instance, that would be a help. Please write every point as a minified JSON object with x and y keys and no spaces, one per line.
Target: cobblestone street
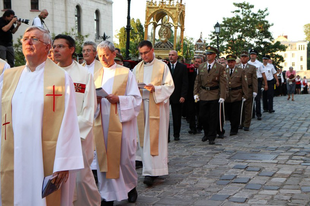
{"x":268,"y":165}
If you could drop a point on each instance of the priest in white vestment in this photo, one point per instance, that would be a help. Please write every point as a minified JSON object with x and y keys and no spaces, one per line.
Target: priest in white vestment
{"x":89,"y":52}
{"x":153,"y":135}
{"x":3,"y":66}
{"x":40,"y":133}
{"x":117,"y":128}
{"x":85,"y":95}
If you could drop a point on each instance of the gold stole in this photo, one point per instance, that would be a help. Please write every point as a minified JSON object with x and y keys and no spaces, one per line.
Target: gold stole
{"x":2,"y":63}
{"x":154,"y":112}
{"x":109,"y":157}
{"x":54,"y":104}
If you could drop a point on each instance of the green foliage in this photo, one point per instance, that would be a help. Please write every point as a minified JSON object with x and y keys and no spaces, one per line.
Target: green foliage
{"x":79,"y":40}
{"x":308,"y":56}
{"x":136,"y":36}
{"x":307,"y":31}
{"x":188,"y":49}
{"x":246,"y":30}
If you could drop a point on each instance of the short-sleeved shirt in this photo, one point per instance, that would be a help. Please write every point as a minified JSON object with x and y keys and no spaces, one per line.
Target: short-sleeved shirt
{"x":257,"y":64}
{"x":6,"y":38}
{"x":269,"y":71}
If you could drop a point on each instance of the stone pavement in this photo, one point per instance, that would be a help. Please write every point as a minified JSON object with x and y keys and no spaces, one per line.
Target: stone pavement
{"x":268,"y":165}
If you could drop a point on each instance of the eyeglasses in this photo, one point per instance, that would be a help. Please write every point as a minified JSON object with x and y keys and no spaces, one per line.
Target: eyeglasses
{"x":33,"y":40}
{"x":59,"y":46}
{"x":144,"y":53}
{"x":86,"y":50}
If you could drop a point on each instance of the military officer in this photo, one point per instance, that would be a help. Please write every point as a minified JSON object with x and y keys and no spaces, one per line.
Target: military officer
{"x":210,"y":89}
{"x":250,"y":72}
{"x":237,"y":92}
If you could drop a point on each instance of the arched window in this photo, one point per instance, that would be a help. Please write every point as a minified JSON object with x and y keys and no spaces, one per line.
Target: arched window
{"x":7,"y":4}
{"x":34,"y":4}
{"x":78,"y":19}
{"x":96,"y":22}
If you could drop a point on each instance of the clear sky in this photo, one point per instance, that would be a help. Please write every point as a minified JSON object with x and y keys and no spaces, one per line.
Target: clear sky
{"x":288,"y":17}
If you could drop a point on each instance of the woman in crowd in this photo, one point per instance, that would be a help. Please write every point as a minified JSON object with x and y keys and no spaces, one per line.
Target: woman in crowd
{"x":298,"y":84}
{"x":305,"y":85}
{"x":290,"y":82}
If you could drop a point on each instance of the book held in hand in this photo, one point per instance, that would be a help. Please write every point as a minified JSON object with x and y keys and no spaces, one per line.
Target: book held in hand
{"x":141,"y":85}
{"x":101,"y":92}
{"x":48,"y":186}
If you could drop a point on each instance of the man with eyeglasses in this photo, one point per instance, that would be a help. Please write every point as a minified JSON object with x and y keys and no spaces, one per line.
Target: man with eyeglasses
{"x":39,"y":135}
{"x":85,"y":95}
{"x":89,"y":54}
{"x":156,"y":86}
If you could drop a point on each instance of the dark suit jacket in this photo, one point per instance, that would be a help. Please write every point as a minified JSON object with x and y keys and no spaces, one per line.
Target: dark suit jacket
{"x":180,"y":79}
{"x":191,"y":83}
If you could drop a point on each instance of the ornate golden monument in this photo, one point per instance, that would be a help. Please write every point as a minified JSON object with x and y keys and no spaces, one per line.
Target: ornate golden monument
{"x":166,"y":14}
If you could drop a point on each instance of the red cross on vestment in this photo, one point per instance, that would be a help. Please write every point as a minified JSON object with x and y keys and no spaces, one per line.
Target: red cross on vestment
{"x":4,"y":124}
{"x":54,"y":97}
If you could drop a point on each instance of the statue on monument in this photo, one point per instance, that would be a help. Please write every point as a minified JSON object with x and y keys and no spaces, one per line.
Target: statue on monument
{"x":164,"y":32}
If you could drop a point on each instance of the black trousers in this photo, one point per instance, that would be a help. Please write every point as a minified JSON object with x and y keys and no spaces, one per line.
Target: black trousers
{"x":191,"y":113}
{"x":176,"y":110}
{"x":233,"y":110}
{"x":257,"y":108}
{"x":268,"y":96}
{"x":209,"y":115}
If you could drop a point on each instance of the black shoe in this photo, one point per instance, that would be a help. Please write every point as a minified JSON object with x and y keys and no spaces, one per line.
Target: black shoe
{"x":107,"y":203}
{"x":149,"y":180}
{"x":199,"y":131}
{"x":259,"y":118}
{"x":139,"y":164}
{"x":132,"y":195}
{"x":271,"y":111}
{"x":240,"y":127}
{"x":211,"y":142}
{"x":265,"y":110}
{"x":204,"y":138}
{"x":233,"y":133}
{"x":221,"y":136}
{"x":246,"y":128}
{"x":176,"y":138}
{"x":192,"y":131}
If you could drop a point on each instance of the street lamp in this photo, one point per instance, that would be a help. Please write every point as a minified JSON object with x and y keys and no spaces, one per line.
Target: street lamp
{"x":217,"y":28}
{"x":128,"y":28}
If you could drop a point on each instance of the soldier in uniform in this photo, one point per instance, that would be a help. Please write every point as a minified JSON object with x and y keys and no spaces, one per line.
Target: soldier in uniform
{"x":250,"y":72}
{"x":237,"y":92}
{"x":210,"y":89}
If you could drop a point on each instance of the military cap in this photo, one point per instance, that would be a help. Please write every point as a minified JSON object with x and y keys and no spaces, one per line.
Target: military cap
{"x":118,"y":57}
{"x":211,"y":50}
{"x":231,"y":57}
{"x":253,"y":51}
{"x":266,"y":57}
{"x":244,"y":53}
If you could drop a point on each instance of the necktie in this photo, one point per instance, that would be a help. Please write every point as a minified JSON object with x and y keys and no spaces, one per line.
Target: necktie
{"x":209,"y":68}
{"x":243,"y":66}
{"x":231,"y":71}
{"x":172,"y":68}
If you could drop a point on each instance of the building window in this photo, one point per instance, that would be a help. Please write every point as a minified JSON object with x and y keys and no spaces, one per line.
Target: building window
{"x":78,"y":19}
{"x":301,"y":67}
{"x":285,"y":64}
{"x":96,"y":22}
{"x":34,"y":4}
{"x":293,"y":55}
{"x":285,"y":55}
{"x":293,"y":64}
{"x":6,"y":4}
{"x":301,"y":58}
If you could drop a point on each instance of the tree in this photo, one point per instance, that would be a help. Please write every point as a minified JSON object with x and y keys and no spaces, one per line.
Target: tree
{"x":246,"y":30}
{"x":307,"y":31}
{"x":188,"y":49}
{"x":136,"y":36}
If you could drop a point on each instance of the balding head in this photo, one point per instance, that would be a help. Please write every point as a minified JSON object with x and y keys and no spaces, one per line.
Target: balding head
{"x":173,"y":56}
{"x":43,"y":14}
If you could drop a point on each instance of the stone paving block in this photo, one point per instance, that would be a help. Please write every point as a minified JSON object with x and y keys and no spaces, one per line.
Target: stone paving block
{"x":278,"y":180}
{"x":268,"y":187}
{"x":240,"y":166}
{"x":305,"y":189}
{"x":242,"y":180}
{"x":266,"y":173}
{"x":228,"y":177}
{"x":253,"y":186}
{"x":237,"y":199}
{"x":217,"y":197}
{"x":305,"y":164}
{"x":223,"y":182}
{"x":253,"y":169}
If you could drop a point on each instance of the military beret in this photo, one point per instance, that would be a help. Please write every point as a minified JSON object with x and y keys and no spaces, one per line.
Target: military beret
{"x":231,"y":57}
{"x":211,"y":50}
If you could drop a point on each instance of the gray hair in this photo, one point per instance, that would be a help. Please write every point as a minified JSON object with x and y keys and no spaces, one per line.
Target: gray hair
{"x":90,"y":43}
{"x":46,"y":34}
{"x":290,"y":67}
{"x":106,"y":44}
{"x":199,"y":57}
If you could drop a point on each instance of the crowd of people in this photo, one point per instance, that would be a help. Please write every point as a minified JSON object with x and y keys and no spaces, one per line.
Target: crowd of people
{"x":87,"y":125}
